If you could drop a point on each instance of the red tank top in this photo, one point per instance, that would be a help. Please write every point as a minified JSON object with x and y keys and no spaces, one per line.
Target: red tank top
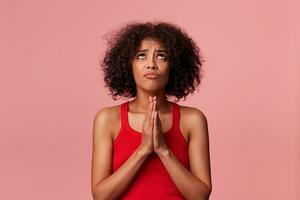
{"x":152,"y":181}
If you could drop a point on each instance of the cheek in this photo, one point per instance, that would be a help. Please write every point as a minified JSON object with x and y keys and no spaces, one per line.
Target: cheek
{"x":166,"y":78}
{"x":166,"y":72}
{"x":137,"y":73}
{"x":134,"y":69}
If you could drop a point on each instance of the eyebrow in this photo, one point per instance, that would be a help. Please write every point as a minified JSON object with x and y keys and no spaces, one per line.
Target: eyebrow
{"x":145,"y":50}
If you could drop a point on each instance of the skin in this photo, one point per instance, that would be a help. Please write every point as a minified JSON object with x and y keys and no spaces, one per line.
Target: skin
{"x":150,"y":113}
{"x":151,"y":57}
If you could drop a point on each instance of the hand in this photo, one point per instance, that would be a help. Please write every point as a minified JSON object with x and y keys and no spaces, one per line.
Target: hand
{"x":147,"y":129}
{"x":158,"y":137}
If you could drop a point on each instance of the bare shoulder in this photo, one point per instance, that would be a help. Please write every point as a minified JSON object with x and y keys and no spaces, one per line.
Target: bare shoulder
{"x":103,"y":130}
{"x":193,"y":113}
{"x":196,"y":123}
{"x":105,"y":116}
{"x":192,"y":118}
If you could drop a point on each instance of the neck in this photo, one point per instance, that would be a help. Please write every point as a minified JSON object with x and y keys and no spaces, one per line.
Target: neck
{"x":140,"y":103}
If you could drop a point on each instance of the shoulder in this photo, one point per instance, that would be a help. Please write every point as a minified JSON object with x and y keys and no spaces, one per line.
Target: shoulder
{"x":198,"y":149}
{"x":193,"y":114}
{"x":193,"y":119}
{"x":105,"y":115}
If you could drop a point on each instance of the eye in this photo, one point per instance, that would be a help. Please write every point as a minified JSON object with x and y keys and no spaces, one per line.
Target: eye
{"x":142,"y":56}
{"x":139,"y":55}
{"x":163,"y":55}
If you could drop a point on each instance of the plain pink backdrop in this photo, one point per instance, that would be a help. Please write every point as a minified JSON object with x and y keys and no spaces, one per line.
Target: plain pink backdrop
{"x":51,"y":88}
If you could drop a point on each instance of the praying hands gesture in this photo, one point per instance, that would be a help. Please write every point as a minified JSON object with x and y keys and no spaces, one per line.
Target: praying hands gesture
{"x":152,"y":136}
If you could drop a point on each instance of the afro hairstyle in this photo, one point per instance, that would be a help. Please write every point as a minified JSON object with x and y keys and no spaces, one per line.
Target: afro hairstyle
{"x":184,"y":57}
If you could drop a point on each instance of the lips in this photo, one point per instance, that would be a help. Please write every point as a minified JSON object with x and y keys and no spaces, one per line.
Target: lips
{"x":152,"y":75}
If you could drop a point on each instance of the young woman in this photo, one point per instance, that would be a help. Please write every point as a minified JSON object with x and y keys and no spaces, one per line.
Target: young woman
{"x":151,"y":147}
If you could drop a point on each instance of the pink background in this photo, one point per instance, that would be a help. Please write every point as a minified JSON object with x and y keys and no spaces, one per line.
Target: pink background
{"x":51,"y":88}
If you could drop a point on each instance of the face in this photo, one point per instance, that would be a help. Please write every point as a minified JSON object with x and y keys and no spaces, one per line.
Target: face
{"x":150,"y":65}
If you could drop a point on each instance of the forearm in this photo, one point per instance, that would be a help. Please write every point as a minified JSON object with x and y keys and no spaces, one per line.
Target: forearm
{"x":190,"y":186}
{"x":113,"y":186}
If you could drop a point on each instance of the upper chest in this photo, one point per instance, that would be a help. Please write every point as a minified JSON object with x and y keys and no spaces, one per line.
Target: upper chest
{"x":135,"y":121}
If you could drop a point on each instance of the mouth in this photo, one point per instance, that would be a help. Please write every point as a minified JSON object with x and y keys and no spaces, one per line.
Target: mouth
{"x":152,"y":76}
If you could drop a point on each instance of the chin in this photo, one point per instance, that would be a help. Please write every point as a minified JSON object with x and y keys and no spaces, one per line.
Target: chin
{"x":153,"y":89}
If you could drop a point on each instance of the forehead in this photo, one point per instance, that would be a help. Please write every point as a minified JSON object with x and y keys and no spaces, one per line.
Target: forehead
{"x":151,"y":43}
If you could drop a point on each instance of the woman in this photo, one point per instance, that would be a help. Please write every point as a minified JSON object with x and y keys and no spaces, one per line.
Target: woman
{"x":150,"y":147}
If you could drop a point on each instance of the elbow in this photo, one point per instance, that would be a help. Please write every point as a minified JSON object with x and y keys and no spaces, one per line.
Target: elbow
{"x":202,"y":194}
{"x":96,"y":193}
{"x":208,"y":194}
{"x":99,"y":193}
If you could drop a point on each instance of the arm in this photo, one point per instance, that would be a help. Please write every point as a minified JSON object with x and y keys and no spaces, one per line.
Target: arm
{"x":194,"y":184}
{"x":104,"y":184}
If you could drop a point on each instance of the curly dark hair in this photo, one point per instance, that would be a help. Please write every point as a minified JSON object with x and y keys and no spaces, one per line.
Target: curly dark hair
{"x":185,"y":61}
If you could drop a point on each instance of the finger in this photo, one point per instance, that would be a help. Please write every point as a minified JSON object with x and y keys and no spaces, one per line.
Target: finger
{"x":154,"y":110}
{"x":152,"y":115}
{"x":151,"y":103}
{"x":148,"y":109}
{"x":155,"y":121}
{"x":148,"y":114}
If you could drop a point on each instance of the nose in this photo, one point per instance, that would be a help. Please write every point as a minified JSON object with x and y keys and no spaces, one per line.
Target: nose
{"x":151,"y":67}
{"x":151,"y":63}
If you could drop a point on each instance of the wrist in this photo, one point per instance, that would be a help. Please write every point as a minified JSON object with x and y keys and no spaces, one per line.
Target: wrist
{"x":163,"y":151}
{"x":143,"y":151}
